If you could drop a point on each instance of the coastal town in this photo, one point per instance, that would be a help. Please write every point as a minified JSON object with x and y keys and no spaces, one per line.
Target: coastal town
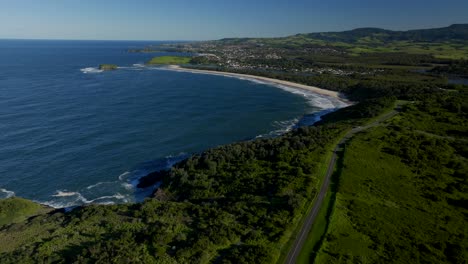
{"x":254,"y":55}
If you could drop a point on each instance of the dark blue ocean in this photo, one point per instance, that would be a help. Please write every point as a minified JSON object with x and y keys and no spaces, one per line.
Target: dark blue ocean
{"x":70,"y":134}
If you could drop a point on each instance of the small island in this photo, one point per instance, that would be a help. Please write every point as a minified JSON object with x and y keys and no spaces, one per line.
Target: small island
{"x":166,"y":60}
{"x":108,"y":67}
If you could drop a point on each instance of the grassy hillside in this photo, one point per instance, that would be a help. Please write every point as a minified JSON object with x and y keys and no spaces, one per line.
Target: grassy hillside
{"x":402,"y":191}
{"x":169,"y":60}
{"x":14,"y":210}
{"x":455,"y":32}
{"x":443,"y":43}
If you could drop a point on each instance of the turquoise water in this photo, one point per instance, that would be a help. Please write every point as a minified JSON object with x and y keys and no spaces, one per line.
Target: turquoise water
{"x":71,"y":134}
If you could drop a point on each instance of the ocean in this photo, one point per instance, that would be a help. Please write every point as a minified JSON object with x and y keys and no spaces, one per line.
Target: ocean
{"x":71,"y":134}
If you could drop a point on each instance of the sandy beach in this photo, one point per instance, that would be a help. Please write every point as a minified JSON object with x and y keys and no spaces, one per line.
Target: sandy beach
{"x":317,"y":90}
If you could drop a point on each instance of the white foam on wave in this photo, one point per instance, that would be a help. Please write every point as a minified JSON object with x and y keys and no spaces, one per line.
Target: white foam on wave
{"x":124,"y":175}
{"x":72,"y":199}
{"x":282,"y":127}
{"x":171,"y":160}
{"x":96,"y":185}
{"x":122,"y":190}
{"x":65,"y":199}
{"x":106,"y":203}
{"x":4,"y":193}
{"x":91,"y":70}
{"x":136,"y":66}
{"x":320,"y":103}
{"x":57,"y":205}
{"x":128,"y":186}
{"x":315,"y":99}
{"x":254,"y":80}
{"x":286,"y":125}
{"x":64,"y":194}
{"x":117,"y":196}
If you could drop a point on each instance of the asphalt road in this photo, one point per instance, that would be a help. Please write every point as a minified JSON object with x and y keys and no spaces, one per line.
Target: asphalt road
{"x":302,"y":236}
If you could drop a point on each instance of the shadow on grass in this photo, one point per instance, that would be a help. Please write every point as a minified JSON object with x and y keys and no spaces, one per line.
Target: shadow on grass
{"x":334,"y":184}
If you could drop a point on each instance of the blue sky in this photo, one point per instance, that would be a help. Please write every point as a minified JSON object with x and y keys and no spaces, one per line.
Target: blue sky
{"x":214,"y":19}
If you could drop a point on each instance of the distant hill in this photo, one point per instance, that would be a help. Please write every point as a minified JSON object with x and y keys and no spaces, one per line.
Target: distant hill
{"x":450,"y":33}
{"x":443,"y":43}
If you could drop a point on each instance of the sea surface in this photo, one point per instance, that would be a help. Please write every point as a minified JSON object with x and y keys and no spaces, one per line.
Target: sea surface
{"x":71,"y":134}
{"x":458,"y":80}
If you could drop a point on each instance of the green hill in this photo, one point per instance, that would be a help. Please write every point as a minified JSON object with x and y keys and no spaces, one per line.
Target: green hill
{"x":444,"y":43}
{"x":176,"y":60}
{"x":14,"y":210}
{"x":456,"y":32}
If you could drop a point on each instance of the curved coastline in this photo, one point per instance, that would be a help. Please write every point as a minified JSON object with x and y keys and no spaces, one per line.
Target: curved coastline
{"x":332,"y":95}
{"x":321,"y":91}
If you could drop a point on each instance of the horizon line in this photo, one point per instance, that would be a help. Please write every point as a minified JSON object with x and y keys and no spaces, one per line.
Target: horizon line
{"x":293,"y":34}
{"x":130,"y":40}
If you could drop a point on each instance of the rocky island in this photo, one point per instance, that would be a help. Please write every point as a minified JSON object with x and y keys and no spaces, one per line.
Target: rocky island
{"x":108,"y":67}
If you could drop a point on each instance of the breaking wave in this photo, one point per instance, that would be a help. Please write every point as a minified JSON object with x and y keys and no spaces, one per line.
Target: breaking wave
{"x":316,"y":100}
{"x":122,"y":190}
{"x":4,"y":193}
{"x":91,"y":70}
{"x":281,"y":128}
{"x":64,"y":194}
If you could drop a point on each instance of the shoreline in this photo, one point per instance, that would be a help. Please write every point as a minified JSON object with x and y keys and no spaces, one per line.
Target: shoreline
{"x":268,"y":81}
{"x":321,"y":91}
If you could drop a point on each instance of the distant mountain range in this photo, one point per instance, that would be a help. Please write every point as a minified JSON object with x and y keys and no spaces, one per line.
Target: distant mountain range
{"x":450,"y":33}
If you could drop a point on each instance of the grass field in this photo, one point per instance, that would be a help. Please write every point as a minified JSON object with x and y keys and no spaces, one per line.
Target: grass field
{"x":398,"y":207}
{"x":321,"y":172}
{"x":14,"y":210}
{"x":175,"y":60}
{"x":320,"y":226}
{"x":317,"y":231}
{"x":439,"y":50}
{"x":442,"y":50}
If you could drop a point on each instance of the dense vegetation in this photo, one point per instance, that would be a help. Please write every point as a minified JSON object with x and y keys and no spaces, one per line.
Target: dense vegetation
{"x":368,"y":62}
{"x":400,"y":190}
{"x":400,"y":83}
{"x":230,"y":203}
{"x":236,"y":203}
{"x":456,"y":67}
